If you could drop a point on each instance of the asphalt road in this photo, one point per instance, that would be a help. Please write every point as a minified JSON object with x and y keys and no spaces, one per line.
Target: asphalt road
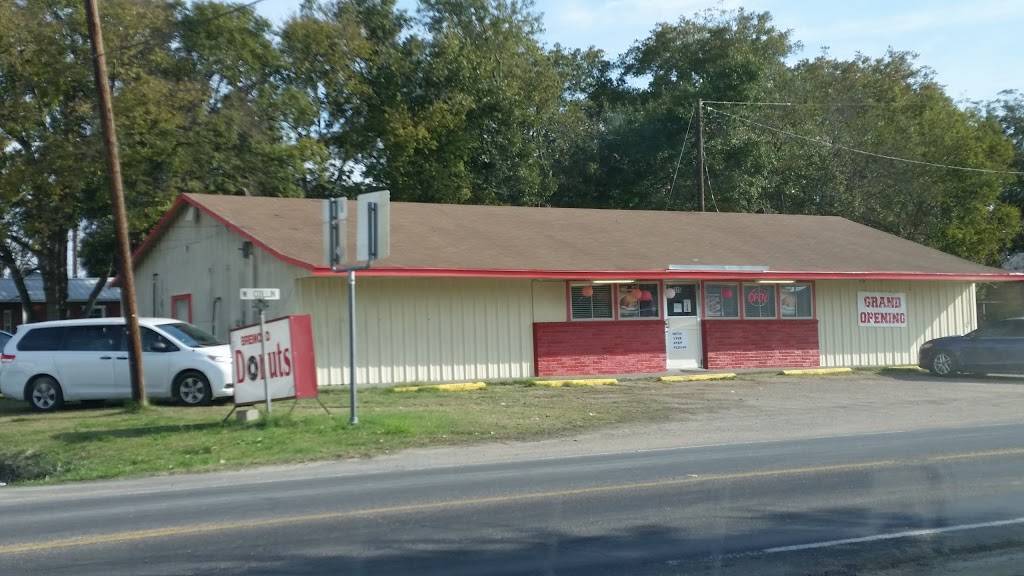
{"x":929,"y":502}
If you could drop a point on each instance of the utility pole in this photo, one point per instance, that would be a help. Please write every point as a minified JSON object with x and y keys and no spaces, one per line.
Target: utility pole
{"x":106,"y":109}
{"x":700,"y":152}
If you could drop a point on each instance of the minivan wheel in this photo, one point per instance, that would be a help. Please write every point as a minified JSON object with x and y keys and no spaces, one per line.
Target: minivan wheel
{"x":192,"y":389}
{"x":44,"y":394}
{"x":943,"y":364}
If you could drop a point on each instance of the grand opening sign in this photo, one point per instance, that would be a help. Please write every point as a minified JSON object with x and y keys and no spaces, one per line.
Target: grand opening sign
{"x":290,"y":365}
{"x":882,"y":309}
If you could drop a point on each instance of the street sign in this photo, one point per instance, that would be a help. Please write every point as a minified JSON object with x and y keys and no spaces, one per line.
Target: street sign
{"x":373,"y":226}
{"x":260,"y":294}
{"x":335,"y":218}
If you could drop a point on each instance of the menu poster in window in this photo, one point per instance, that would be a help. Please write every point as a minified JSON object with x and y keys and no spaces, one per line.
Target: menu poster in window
{"x":638,"y":301}
{"x":788,"y":303}
{"x":714,"y":303}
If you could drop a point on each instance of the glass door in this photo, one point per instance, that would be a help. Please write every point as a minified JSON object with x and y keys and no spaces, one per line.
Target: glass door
{"x":682,"y":326}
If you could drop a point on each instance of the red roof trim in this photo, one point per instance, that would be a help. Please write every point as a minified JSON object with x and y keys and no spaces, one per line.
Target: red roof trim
{"x":157,"y":231}
{"x":666,"y":274}
{"x":183,"y":199}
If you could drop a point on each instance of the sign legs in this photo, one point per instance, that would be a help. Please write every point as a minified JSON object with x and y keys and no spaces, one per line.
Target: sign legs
{"x":353,"y":417}
{"x":263,"y":355}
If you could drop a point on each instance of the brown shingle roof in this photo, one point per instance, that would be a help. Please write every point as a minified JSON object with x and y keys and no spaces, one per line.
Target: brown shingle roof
{"x":447,"y":237}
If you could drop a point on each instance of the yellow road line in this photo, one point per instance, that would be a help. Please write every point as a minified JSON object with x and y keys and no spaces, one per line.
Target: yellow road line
{"x":212,"y":527}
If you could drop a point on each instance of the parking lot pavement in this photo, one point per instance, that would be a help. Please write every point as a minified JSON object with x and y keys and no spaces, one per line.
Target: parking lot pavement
{"x":755,"y":408}
{"x":768,"y":407}
{"x":762,"y":407}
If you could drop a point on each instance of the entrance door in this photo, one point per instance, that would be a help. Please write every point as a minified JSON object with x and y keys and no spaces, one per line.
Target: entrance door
{"x":682,"y":327}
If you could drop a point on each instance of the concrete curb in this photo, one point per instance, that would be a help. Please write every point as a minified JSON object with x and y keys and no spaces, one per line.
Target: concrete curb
{"x":698,"y":377}
{"x":453,"y":387}
{"x":583,"y":382}
{"x":816,"y":371}
{"x":902,"y":369}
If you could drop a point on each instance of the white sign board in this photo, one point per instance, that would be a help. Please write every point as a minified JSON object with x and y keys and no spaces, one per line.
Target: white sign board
{"x":373,"y":231}
{"x":260,"y":294}
{"x":289,"y":364}
{"x":882,"y":309}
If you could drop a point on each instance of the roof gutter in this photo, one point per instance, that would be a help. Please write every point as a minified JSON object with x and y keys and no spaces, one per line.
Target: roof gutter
{"x":386,"y":272}
{"x":692,"y":272}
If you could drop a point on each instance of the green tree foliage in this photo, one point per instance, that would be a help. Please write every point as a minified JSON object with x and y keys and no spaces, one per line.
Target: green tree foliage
{"x":756,"y":158}
{"x":1008,"y":110}
{"x":461,"y":102}
{"x":198,"y":107}
{"x":449,"y":105}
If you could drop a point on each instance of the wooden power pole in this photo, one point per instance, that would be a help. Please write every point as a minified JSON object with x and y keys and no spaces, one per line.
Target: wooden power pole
{"x":106,"y":108}
{"x":700,"y":152}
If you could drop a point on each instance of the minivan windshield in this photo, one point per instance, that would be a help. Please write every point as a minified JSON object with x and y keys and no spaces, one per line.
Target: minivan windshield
{"x":190,"y":336}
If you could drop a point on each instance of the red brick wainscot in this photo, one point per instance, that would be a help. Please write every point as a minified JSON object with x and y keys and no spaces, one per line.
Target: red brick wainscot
{"x":599,"y":347}
{"x":760,"y":343}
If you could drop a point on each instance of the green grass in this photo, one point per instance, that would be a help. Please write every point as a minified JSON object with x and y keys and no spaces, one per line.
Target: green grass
{"x":115,"y":441}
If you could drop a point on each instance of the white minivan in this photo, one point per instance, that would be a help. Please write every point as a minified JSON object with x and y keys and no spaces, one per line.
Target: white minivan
{"x":48,"y":363}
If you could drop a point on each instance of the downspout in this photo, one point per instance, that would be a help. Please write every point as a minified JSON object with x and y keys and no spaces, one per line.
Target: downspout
{"x":213,"y":314}
{"x":156,"y":278}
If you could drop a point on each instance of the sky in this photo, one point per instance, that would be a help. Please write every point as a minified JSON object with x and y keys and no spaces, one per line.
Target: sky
{"x":973,"y":46}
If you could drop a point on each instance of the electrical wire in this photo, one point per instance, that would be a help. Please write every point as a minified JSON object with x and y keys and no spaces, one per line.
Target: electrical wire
{"x":707,"y":172}
{"x":809,"y":104}
{"x":864,"y":152}
{"x":679,"y":160}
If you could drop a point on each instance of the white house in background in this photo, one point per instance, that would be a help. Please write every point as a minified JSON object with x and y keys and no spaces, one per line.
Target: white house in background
{"x":492,"y":292}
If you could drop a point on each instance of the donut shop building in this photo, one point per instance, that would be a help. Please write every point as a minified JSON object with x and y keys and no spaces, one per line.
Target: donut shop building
{"x":495,"y":292}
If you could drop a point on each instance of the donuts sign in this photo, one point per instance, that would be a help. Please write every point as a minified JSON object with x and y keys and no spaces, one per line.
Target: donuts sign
{"x":882,"y":309}
{"x":290,"y":365}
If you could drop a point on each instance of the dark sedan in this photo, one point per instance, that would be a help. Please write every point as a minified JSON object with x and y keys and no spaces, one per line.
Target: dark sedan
{"x":996,"y":348}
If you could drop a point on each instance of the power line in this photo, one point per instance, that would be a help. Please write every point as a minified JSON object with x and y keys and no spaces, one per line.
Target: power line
{"x":680,"y":159}
{"x":799,"y":104}
{"x":864,"y":152}
{"x":707,"y":171}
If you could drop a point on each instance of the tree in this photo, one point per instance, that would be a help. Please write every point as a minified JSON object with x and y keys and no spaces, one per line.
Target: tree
{"x":715,"y":55}
{"x":445,"y":107}
{"x":1008,"y":110}
{"x":891,"y":106}
{"x":199,"y":106}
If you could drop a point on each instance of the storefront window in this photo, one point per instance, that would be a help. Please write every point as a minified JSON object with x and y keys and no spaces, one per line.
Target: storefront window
{"x":721,"y":301}
{"x":639,"y":300}
{"x":591,"y":301}
{"x":796,"y":300}
{"x":758,"y":301}
{"x":681,"y":299}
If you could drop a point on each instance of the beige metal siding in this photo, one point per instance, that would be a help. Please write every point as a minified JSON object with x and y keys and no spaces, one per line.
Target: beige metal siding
{"x":934,"y":309}
{"x":199,"y":256}
{"x":422,"y":330}
{"x":549,"y":301}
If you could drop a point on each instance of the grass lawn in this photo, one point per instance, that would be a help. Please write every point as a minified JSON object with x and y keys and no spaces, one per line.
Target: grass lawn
{"x":81,"y":443}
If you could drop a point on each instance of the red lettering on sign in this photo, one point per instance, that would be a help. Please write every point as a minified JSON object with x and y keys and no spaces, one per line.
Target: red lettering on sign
{"x":239,"y":367}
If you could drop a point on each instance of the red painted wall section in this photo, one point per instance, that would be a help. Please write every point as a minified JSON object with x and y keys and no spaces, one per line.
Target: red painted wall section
{"x":760,"y":343}
{"x":595,"y":348}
